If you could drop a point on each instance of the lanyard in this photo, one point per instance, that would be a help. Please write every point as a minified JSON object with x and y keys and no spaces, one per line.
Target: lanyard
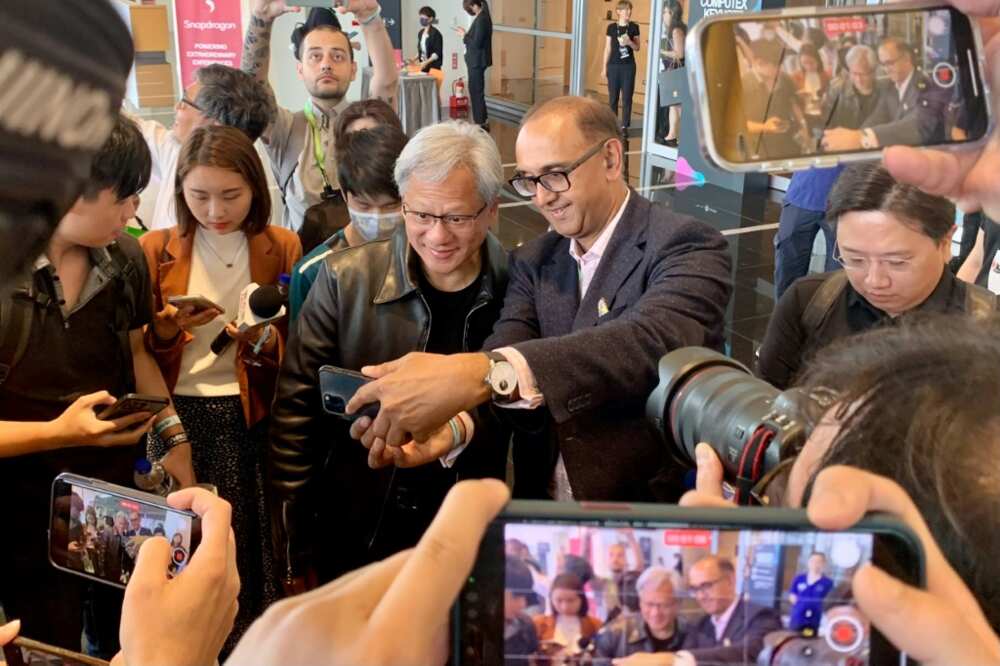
{"x":319,"y":153}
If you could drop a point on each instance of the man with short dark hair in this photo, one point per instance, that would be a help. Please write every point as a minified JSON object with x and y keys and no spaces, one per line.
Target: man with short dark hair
{"x":520,"y":639}
{"x":219,"y":95}
{"x":592,"y":306}
{"x":364,"y":169}
{"x":301,"y":143}
{"x":77,"y":327}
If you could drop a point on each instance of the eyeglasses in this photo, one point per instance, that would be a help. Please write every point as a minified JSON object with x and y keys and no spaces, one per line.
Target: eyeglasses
{"x":857,"y":264}
{"x":891,"y":63}
{"x":452,"y":221}
{"x":553,"y":181}
{"x":188,"y":102}
{"x":705,"y":587}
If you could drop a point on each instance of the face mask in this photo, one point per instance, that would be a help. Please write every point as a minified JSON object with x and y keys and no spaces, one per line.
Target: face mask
{"x":424,"y":21}
{"x":374,"y":225}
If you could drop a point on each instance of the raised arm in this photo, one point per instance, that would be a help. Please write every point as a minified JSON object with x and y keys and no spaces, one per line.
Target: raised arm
{"x":385,"y":77}
{"x":257,"y":45}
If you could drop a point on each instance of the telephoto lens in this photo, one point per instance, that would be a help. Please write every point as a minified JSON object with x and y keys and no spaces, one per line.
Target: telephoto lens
{"x":704,"y":396}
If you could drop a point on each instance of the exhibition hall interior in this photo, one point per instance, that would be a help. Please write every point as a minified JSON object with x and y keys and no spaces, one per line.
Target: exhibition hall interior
{"x":521,"y":332}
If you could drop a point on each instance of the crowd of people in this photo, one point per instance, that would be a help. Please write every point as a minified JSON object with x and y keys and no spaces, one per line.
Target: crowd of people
{"x":695,"y":611}
{"x":805,"y":92}
{"x":543,"y":356}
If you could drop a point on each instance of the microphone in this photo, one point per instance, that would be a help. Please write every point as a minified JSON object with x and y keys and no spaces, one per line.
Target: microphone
{"x":258,"y":305}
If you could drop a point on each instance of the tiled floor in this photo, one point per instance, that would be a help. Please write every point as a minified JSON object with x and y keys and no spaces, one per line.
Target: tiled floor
{"x":750,"y":236}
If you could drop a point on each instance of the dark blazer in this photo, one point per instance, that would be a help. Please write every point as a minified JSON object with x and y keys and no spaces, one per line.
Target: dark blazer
{"x":918,"y":118}
{"x":665,"y":281}
{"x":435,"y":45}
{"x":742,"y":640}
{"x":479,"y":41}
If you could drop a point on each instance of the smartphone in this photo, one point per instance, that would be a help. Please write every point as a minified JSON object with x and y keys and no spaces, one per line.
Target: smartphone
{"x":338,"y":386}
{"x":762,"y":557}
{"x":197,"y":302}
{"x":96,"y":528}
{"x":789,"y":89}
{"x":133,"y":403}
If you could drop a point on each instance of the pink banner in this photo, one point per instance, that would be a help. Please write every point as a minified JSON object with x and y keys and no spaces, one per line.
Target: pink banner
{"x":208,"y":31}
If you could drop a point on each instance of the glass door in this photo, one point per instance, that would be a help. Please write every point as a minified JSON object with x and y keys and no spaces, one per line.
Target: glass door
{"x":533,"y":53}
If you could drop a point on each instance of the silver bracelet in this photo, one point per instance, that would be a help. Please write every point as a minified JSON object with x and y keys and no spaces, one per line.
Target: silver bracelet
{"x":168,"y":422}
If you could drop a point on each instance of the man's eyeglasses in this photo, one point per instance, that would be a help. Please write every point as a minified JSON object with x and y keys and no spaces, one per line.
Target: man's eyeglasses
{"x":705,"y":587}
{"x":857,"y":264}
{"x":553,"y":181}
{"x":188,"y":102}
{"x":452,"y":221}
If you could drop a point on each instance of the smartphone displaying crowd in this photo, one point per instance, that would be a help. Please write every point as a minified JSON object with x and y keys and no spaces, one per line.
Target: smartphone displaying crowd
{"x":840,"y":84}
{"x":594,"y":591}
{"x":96,"y":530}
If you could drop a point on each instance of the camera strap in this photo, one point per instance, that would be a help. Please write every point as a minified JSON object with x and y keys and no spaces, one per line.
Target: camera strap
{"x":751,"y":463}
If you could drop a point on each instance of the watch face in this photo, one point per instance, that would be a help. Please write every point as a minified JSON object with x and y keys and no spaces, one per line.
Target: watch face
{"x":503,"y":378}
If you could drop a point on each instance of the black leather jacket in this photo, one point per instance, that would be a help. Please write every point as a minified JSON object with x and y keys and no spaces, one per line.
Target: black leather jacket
{"x":365,"y":308}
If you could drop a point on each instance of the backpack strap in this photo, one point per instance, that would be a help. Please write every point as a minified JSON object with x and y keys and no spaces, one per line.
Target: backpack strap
{"x":980,"y":303}
{"x":293,"y":151}
{"x":822,"y":301}
{"x":16,"y":314}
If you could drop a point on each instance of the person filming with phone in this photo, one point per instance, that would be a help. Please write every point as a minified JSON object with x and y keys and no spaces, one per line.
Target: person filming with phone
{"x":72,"y":344}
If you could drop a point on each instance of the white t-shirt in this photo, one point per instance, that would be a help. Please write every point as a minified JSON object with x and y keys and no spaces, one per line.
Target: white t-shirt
{"x":165,"y":149}
{"x":203,"y":374}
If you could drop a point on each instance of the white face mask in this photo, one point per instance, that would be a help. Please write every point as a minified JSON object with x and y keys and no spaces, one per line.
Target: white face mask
{"x":374,"y":225}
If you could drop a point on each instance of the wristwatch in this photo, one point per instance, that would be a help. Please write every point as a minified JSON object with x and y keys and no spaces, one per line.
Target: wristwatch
{"x":501,"y":377}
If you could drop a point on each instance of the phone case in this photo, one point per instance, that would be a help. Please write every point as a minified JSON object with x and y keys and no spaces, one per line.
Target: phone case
{"x":696,"y":81}
{"x":337,"y":387}
{"x":135,"y":403}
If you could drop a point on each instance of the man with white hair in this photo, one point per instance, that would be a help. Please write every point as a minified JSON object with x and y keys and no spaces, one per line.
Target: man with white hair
{"x":437,"y":285}
{"x":654,"y":631}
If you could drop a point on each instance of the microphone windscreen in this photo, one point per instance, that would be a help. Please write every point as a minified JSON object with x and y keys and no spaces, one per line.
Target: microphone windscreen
{"x":266,"y":301}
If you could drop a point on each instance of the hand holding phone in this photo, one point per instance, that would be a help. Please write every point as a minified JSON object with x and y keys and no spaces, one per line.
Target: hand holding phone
{"x":80,"y":425}
{"x":185,"y":619}
{"x":337,"y":387}
{"x":195,"y":304}
{"x":419,"y":584}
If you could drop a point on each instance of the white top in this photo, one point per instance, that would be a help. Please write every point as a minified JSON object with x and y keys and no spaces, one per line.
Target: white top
{"x":567,"y":632}
{"x":423,"y":44}
{"x":165,"y":149}
{"x":203,"y":374}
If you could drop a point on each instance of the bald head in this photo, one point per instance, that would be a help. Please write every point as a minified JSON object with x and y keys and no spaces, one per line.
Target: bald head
{"x":712,"y":581}
{"x":594,"y":120}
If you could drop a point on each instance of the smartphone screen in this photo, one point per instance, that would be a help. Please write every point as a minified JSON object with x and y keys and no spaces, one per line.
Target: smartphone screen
{"x":96,"y":529}
{"x":595,"y":590}
{"x":841,"y":82}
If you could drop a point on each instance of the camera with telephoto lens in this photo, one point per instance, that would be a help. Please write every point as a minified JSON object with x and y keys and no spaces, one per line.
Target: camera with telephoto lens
{"x":755,"y":429}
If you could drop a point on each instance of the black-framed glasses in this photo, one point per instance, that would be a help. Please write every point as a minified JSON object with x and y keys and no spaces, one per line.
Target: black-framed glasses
{"x":553,"y":181}
{"x":194,"y":106}
{"x":453,"y":221}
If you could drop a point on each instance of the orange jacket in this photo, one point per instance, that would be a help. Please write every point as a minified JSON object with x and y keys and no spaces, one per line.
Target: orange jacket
{"x":272,"y":252}
{"x":545,"y":625}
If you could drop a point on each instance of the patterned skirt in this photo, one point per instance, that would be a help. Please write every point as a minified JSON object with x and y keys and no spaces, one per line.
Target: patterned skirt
{"x":230,"y":456}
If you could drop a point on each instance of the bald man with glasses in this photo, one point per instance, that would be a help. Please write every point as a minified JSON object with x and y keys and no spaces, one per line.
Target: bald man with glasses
{"x":591,"y":308}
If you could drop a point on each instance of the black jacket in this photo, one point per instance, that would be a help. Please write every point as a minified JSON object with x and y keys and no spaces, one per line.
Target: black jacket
{"x":742,"y":640}
{"x":663,"y":282}
{"x":435,"y":46}
{"x":479,"y":41}
{"x":365,"y":308}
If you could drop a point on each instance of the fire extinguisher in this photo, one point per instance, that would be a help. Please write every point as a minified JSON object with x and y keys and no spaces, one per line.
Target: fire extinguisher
{"x":459,"y":101}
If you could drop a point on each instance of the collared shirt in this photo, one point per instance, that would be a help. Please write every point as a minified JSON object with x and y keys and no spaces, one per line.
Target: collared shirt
{"x":588,"y":262}
{"x":305,"y":189}
{"x":721,"y":622}
{"x":901,"y":88}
